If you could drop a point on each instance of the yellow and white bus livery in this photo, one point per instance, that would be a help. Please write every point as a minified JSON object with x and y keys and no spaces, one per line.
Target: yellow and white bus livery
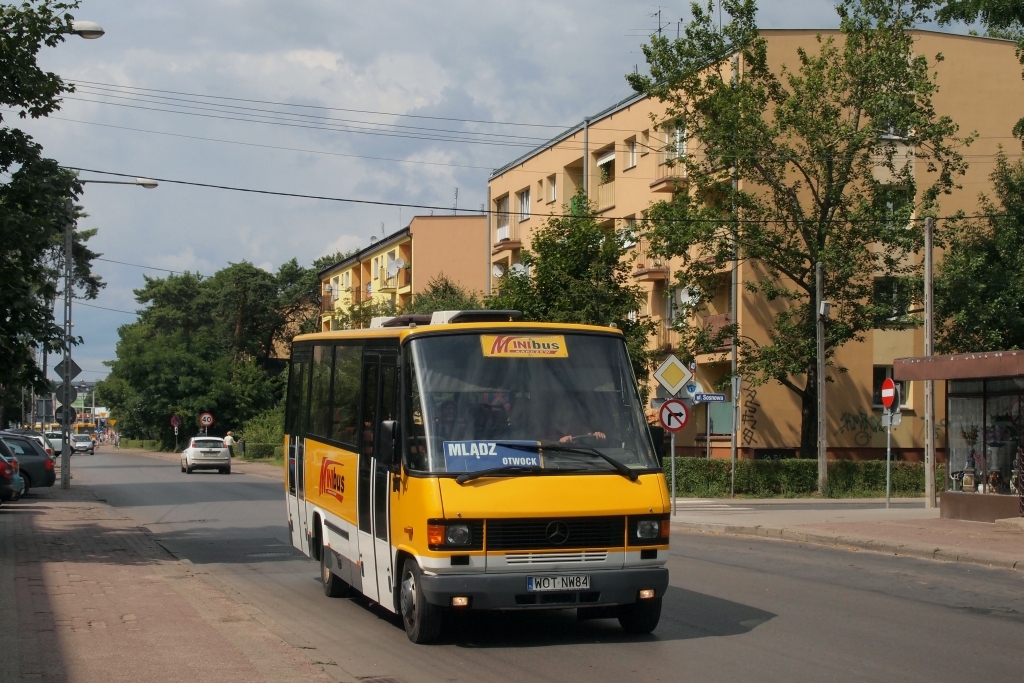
{"x":469,"y":461}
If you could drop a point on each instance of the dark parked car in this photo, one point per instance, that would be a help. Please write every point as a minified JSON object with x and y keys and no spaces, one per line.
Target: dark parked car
{"x":8,"y":489}
{"x":35,"y":465}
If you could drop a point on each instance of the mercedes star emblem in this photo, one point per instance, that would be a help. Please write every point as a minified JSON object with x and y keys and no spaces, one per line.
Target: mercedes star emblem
{"x":557,"y":532}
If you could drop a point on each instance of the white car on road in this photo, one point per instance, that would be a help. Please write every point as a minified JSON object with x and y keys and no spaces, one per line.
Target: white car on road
{"x":206,"y":453}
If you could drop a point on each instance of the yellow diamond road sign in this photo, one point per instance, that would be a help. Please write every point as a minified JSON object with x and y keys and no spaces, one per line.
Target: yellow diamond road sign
{"x":673,"y":375}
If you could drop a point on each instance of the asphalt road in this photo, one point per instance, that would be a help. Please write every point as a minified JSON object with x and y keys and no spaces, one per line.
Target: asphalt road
{"x":738,"y":609}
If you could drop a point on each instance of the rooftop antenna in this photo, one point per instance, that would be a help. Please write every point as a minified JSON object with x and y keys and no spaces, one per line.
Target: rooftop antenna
{"x":382,"y":228}
{"x":658,"y":15}
{"x":456,"y":201}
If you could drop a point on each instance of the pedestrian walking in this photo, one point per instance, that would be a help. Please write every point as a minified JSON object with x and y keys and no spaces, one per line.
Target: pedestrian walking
{"x":117,"y":440}
{"x":229,"y":441}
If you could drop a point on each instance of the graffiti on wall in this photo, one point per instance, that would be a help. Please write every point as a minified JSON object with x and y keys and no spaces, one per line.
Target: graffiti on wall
{"x":749,"y":417}
{"x":861,"y":425}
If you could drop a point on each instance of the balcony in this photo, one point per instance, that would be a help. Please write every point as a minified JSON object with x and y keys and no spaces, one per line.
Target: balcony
{"x":665,"y":340}
{"x":327,"y":303}
{"x":714,"y":324}
{"x":606,"y":196}
{"x":507,"y":234}
{"x":668,"y":178}
{"x":648,"y":267}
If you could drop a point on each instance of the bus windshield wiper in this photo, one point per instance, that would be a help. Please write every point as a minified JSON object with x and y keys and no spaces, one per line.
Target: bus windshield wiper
{"x":571,"y":450}
{"x":497,"y":471}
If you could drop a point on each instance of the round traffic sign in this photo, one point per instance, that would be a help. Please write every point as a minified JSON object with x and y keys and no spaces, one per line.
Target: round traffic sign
{"x":175,"y":421}
{"x":206,"y":419}
{"x":888,"y":392}
{"x":673,"y":415}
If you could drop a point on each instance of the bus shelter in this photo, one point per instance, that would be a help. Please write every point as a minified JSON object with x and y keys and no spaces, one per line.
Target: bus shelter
{"x":984,"y":424}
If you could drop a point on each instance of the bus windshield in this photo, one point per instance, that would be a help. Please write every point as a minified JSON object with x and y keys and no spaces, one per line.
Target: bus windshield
{"x":494,"y":401}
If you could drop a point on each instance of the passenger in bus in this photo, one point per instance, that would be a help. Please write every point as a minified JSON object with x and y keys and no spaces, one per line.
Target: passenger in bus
{"x":445,"y":424}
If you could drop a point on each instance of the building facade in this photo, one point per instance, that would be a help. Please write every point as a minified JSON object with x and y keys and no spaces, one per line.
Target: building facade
{"x":623,"y":158}
{"x":391,"y":270}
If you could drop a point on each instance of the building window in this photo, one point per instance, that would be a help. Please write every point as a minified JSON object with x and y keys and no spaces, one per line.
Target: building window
{"x":335,"y":288}
{"x":376,"y":268}
{"x":552,"y":188}
{"x":348,"y":280}
{"x":891,"y":302}
{"x":524,"y":204}
{"x":631,"y":153}
{"x":675,"y":142}
{"x":882,"y":373}
{"x":501,"y":208}
{"x":628,"y":232}
{"x":645,"y":142}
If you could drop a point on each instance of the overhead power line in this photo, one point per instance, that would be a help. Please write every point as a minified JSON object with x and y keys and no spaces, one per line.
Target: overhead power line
{"x":138,"y":265}
{"x":104,"y":308}
{"x":372,"y":202}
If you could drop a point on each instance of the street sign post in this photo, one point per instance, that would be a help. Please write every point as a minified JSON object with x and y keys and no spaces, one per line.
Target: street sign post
{"x":68,"y":370}
{"x":175,"y":421}
{"x":709,"y":398}
{"x":673,"y":416}
{"x":72,"y":414}
{"x":673,"y":375}
{"x":890,"y":396}
{"x":206,"y":421}
{"x":701,"y":397}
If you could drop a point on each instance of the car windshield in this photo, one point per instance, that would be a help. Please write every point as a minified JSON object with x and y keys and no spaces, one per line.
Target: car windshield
{"x":485,"y":401}
{"x":208,"y":443}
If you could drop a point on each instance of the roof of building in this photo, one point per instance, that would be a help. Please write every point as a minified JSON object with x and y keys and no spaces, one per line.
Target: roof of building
{"x":633,"y":99}
{"x":374,"y":246}
{"x":960,"y":366}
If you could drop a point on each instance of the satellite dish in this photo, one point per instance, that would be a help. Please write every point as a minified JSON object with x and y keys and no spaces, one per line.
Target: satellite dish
{"x":400,"y":262}
{"x":498,"y":270}
{"x":517,"y":269}
{"x":393,"y":269}
{"x":373,"y":238}
{"x":688,"y":296}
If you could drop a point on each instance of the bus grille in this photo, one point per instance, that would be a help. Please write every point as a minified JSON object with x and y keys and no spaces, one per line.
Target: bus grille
{"x":553,"y":533}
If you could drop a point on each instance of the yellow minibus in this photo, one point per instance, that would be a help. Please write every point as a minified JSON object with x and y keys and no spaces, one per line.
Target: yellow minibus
{"x":467,"y":461}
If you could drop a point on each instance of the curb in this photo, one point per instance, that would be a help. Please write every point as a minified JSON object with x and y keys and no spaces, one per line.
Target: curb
{"x":788,"y":534}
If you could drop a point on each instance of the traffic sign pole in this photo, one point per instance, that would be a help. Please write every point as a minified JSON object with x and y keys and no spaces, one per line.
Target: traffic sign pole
{"x":890,"y":394}
{"x":672,"y":445}
{"x":673,"y":416}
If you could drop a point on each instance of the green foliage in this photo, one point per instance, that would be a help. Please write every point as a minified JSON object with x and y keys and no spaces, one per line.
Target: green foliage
{"x":206,"y":344}
{"x":979,"y":285}
{"x":442,"y":294}
{"x":264,"y":428}
{"x":141,"y":444}
{"x":260,"y":451}
{"x":32,"y":200}
{"x":704,"y":478}
{"x":804,"y":147}
{"x":577,"y":272}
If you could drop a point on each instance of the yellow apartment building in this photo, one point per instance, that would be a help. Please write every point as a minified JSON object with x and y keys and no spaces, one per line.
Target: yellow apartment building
{"x":622,"y":155}
{"x":392,"y":269}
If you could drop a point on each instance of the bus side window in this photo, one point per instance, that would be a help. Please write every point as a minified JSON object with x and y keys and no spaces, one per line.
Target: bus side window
{"x":369,"y":418}
{"x":296,"y":412}
{"x":348,"y":363}
{"x":320,"y":395}
{"x":415,"y":432}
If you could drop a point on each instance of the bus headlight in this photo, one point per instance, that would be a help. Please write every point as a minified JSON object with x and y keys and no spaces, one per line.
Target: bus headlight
{"x":458,"y":534}
{"x":648,"y":529}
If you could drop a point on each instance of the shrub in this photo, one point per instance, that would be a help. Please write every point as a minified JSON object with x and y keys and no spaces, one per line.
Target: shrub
{"x":142,"y":444}
{"x":265,"y":428}
{"x":704,"y":478}
{"x":260,"y":451}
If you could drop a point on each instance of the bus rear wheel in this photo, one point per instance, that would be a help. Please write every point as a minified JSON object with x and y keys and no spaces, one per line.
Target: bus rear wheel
{"x":422,"y":620}
{"x":641,"y":617}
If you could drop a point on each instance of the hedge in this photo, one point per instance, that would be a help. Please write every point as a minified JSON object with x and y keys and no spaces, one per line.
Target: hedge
{"x":261,"y":451}
{"x":142,"y":444}
{"x":702,"y":478}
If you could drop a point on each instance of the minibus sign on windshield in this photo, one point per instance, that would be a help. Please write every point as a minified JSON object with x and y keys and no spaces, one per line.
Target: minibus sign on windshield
{"x":522,"y":346}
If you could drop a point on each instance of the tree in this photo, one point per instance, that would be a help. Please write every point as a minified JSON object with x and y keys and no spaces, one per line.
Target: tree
{"x":804,"y":147}
{"x":979,"y":285}
{"x":32,"y":200}
{"x":442,"y":294}
{"x":578,"y":272}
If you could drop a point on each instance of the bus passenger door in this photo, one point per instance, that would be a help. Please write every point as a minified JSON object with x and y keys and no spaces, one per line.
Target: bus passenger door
{"x":295,"y":427}
{"x":381,"y":480}
{"x":364,"y":490}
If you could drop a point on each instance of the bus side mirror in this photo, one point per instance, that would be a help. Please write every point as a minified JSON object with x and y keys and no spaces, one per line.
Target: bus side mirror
{"x":388,"y":442}
{"x":658,"y":435}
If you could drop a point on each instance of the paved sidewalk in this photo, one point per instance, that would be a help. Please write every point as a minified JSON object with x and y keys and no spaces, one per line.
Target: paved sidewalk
{"x":86,"y":596}
{"x":859,"y":524}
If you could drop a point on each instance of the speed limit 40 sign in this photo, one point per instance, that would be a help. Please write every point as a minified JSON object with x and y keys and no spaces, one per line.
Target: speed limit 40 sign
{"x":206,"y":419}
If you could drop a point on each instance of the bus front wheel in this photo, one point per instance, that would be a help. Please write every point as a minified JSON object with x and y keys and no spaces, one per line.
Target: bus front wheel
{"x":641,"y":617}
{"x":421,"y":619}
{"x":333,"y":586}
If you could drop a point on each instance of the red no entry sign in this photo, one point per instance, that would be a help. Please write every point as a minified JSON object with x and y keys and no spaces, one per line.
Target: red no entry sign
{"x":888,"y":393}
{"x":673,"y":415}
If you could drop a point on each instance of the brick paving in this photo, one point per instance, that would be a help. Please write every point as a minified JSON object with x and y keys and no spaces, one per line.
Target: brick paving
{"x":86,"y":596}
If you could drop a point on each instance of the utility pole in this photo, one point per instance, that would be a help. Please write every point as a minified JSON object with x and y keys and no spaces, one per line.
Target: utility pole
{"x":822,"y":307}
{"x":734,"y":303}
{"x":65,"y":401}
{"x":929,"y":385}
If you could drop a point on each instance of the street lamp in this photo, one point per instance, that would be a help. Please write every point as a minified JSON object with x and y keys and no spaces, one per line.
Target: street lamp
{"x":69,"y":229}
{"x":89,"y":30}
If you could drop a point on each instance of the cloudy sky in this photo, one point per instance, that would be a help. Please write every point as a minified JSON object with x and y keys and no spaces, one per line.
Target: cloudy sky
{"x":544,"y":63}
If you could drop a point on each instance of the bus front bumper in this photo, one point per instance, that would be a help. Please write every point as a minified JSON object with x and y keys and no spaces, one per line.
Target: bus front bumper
{"x":508,"y":591}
